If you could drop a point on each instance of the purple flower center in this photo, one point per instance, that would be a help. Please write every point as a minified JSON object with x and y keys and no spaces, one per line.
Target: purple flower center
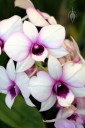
{"x":14,"y":90}
{"x":60,"y":89}
{"x":73,"y":117}
{"x":1,"y":44}
{"x":37,"y":49}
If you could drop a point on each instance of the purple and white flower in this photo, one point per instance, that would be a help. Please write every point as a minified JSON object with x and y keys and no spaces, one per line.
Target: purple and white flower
{"x":69,"y":118}
{"x":8,"y":27}
{"x":47,"y":88}
{"x":31,"y":46}
{"x":12,"y":84}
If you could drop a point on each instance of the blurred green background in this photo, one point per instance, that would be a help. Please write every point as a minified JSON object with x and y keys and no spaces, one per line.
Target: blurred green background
{"x":61,"y":10}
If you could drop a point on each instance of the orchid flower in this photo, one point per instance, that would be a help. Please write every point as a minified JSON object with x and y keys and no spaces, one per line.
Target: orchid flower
{"x":12,"y":84}
{"x":68,"y":119}
{"x":8,"y":27}
{"x":47,"y":88}
{"x":31,"y":46}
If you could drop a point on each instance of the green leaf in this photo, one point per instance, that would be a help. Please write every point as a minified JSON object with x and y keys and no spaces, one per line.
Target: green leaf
{"x":3,"y":125}
{"x":21,"y":115}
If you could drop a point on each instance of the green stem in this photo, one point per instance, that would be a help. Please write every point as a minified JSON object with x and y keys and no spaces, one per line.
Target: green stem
{"x":43,"y":68}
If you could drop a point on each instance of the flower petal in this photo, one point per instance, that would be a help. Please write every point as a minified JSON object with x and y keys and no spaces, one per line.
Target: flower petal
{"x":48,"y":104}
{"x":78,"y":92}
{"x":52,"y":20}
{"x":25,"y":64}
{"x":40,"y":57}
{"x":10,"y":26}
{"x":23,"y":4}
{"x":30,"y":30}
{"x":4,"y":79}
{"x":0,"y":50}
{"x":54,"y":67}
{"x":36,"y":18}
{"x":64,"y":123}
{"x":64,"y":113}
{"x":11,"y":71}
{"x":41,"y":86}
{"x":29,"y":102}
{"x":9,"y":101}
{"x":79,"y":125}
{"x":80,"y":111}
{"x":52,"y":36}
{"x":66,"y":101}
{"x":17,"y":46}
{"x":22,"y":82}
{"x":58,"y":53}
{"x":73,"y":74}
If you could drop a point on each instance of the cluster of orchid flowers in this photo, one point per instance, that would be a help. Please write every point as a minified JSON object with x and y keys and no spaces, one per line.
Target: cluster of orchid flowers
{"x":48,"y":66}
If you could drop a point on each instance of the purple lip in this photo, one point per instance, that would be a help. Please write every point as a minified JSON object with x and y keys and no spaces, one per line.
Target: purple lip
{"x":37,"y":49}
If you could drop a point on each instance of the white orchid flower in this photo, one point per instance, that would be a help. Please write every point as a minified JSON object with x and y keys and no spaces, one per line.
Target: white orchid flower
{"x":47,"y":88}
{"x":31,"y":46}
{"x":12,"y":84}
{"x":8,"y":27}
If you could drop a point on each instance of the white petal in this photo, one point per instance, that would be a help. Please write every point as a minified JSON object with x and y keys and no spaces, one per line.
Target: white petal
{"x":41,"y":86}
{"x":74,"y":74}
{"x":41,"y":57}
{"x":11,"y":69}
{"x":25,"y":64}
{"x":66,"y":102}
{"x":52,"y":20}
{"x":64,"y":123}
{"x":75,"y":45}
{"x":4,"y":79}
{"x":52,"y":36}
{"x":0,"y":51}
{"x":9,"y":101}
{"x":23,"y":4}
{"x":22,"y":82}
{"x":80,"y":111}
{"x":45,"y":15}
{"x":30,"y":30}
{"x":78,"y":92}
{"x":54,"y":67}
{"x":48,"y":104}
{"x":36,"y":18}
{"x":17,"y":47}
{"x":29,"y":102}
{"x":58,"y":53}
{"x":10,"y":26}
